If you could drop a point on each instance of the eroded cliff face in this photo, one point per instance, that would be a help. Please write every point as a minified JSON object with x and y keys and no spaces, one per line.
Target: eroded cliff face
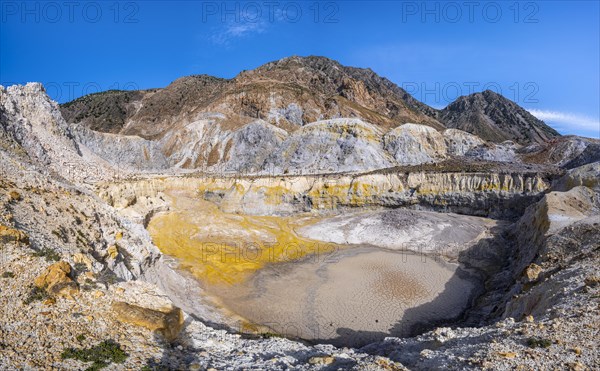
{"x":210,"y":142}
{"x":482,"y":194}
{"x":541,"y":259}
{"x":560,"y":230}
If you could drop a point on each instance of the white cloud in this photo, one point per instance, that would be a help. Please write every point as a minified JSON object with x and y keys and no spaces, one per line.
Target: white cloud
{"x":236,"y":30}
{"x":567,"y":122}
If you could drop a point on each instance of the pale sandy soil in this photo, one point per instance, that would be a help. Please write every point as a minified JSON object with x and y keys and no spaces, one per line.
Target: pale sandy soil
{"x":352,"y":297}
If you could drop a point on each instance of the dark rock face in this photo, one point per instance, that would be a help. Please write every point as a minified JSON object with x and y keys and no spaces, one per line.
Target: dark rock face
{"x":105,"y":112}
{"x":495,"y":118}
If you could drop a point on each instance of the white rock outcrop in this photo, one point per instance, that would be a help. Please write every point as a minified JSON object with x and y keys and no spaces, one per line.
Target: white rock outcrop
{"x":330,"y":146}
{"x":412,"y":144}
{"x":460,"y":142}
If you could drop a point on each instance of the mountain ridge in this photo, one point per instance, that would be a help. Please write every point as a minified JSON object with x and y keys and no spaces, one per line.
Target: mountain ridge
{"x":294,"y":91}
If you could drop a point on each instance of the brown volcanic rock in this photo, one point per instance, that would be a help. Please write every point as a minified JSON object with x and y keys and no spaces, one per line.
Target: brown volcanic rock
{"x":567,"y":151}
{"x":295,"y":91}
{"x":341,"y":91}
{"x":288,"y":93}
{"x":181,"y":101}
{"x":492,"y":117}
{"x":8,"y":234}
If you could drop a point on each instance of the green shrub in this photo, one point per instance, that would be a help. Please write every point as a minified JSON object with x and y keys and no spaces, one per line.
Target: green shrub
{"x":107,"y":277}
{"x":101,"y":355}
{"x":539,"y":343}
{"x":48,"y":253}
{"x":61,"y":233}
{"x":8,"y":275}
{"x":80,"y":267}
{"x":36,"y":294}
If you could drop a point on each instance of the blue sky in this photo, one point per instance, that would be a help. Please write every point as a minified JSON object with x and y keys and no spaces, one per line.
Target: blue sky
{"x":545,"y":55}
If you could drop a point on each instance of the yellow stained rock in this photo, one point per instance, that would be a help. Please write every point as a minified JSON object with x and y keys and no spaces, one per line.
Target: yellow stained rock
{"x":169,"y":324}
{"x":98,"y":294}
{"x":509,"y":355}
{"x":119,"y":236}
{"x":229,"y":255}
{"x":8,"y":234}
{"x":57,"y":282}
{"x":80,"y":258}
{"x":14,"y":196}
{"x":113,"y":251}
{"x":532,"y":272}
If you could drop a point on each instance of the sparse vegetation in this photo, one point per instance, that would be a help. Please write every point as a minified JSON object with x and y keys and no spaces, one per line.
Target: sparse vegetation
{"x":269,"y":335}
{"x":48,"y":253}
{"x":80,"y":267}
{"x":82,"y":240}
{"x":107,"y":277}
{"x":89,"y":285}
{"x":8,"y":275}
{"x":101,"y":355}
{"x":36,"y":294}
{"x":534,"y":342}
{"x":592,"y":281}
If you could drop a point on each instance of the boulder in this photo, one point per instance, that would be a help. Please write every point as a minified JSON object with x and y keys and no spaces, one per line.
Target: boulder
{"x":532,"y":272}
{"x":168,"y":323}
{"x":321,"y":360}
{"x":57,"y":282}
{"x":15,"y":196}
{"x":113,"y":252}
{"x":330,"y":146}
{"x":8,"y":235}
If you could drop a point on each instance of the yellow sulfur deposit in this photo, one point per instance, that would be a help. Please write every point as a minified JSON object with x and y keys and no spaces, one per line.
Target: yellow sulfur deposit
{"x":225,"y":248}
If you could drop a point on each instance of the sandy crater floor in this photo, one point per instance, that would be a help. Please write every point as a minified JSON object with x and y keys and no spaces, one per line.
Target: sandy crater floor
{"x":347,"y":280}
{"x":352,"y":297}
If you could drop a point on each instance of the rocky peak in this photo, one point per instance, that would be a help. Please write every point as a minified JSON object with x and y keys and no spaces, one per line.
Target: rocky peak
{"x":493,"y":117}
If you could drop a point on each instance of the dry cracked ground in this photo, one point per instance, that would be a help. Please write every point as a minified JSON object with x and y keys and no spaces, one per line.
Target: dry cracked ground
{"x":452,"y":263}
